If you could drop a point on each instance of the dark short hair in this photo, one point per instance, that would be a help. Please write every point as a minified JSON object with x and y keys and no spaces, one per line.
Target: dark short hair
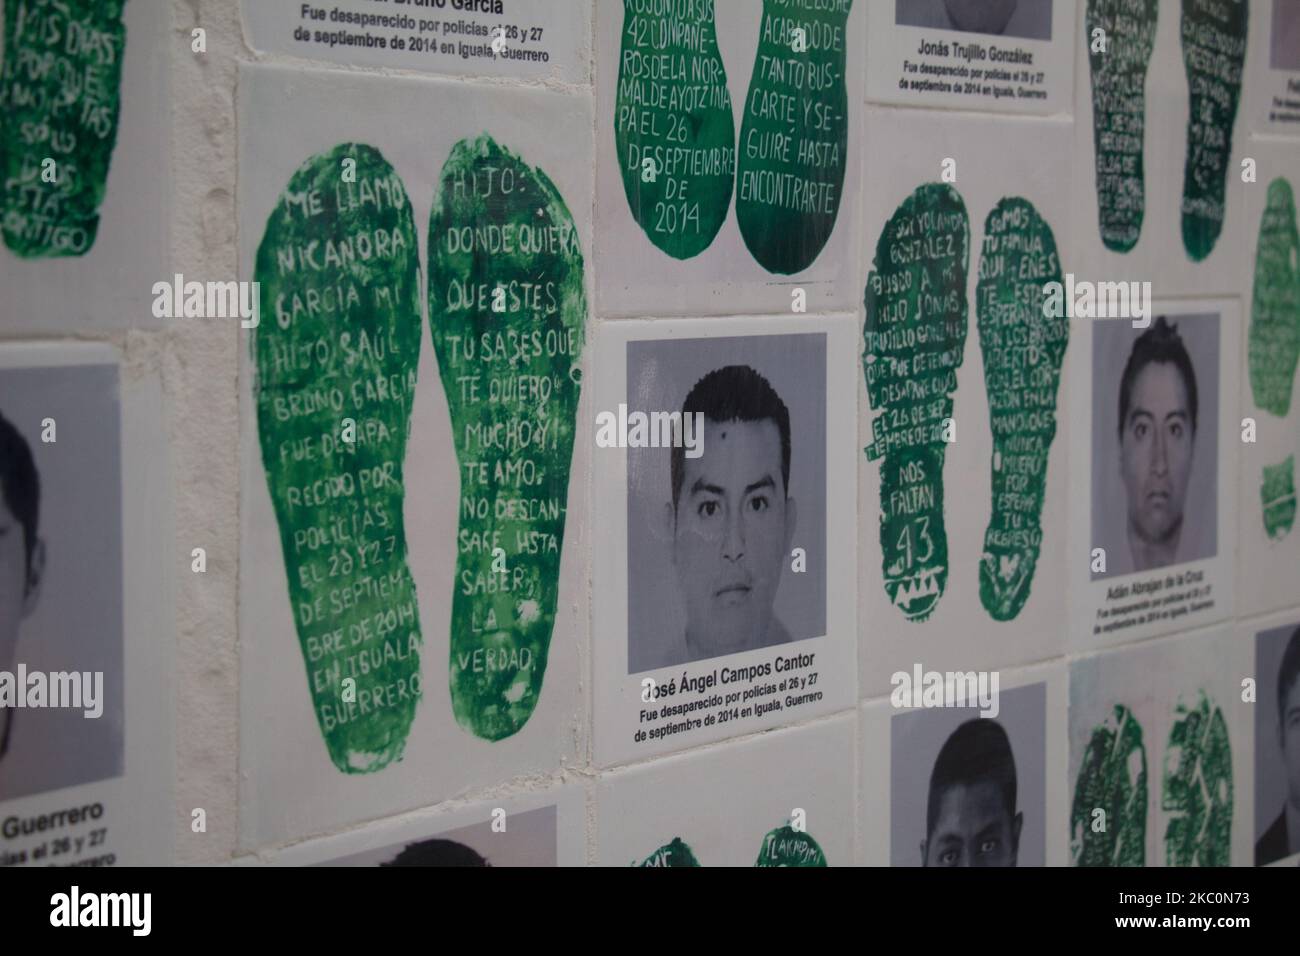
{"x":978,"y":751}
{"x":1160,"y":343}
{"x":437,"y":853}
{"x":735,"y":393}
{"x":1288,"y":673}
{"x":19,"y":482}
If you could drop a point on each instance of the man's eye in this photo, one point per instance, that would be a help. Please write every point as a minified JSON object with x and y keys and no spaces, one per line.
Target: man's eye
{"x":948,"y":857}
{"x":1176,"y":429}
{"x":759,"y":503}
{"x":708,"y":509}
{"x":1140,"y":430}
{"x":988,"y":846}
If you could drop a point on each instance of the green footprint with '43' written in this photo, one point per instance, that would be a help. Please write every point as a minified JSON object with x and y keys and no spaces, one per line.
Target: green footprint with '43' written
{"x":59,"y":104}
{"x":508,"y":310}
{"x":335,"y":354}
{"x":794,"y":133}
{"x":674,"y":129}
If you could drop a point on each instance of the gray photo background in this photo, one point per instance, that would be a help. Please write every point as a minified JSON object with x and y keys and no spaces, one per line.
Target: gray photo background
{"x":77,"y":624}
{"x":1270,"y":773}
{"x":529,"y":840}
{"x":1032,"y":19}
{"x":1284,"y":37}
{"x":917,"y":736}
{"x":1112,"y":341}
{"x":659,"y":375}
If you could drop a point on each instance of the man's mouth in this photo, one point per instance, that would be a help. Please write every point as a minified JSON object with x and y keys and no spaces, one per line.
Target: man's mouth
{"x":732,"y":593}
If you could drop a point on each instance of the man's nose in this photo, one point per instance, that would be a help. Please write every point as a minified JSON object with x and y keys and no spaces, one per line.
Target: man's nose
{"x":733,"y":541}
{"x":1159,"y":455}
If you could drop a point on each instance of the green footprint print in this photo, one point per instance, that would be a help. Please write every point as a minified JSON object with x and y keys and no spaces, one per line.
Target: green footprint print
{"x":1023,"y":352}
{"x":1214,"y":55}
{"x":915,"y":332}
{"x":1112,"y":779}
{"x":794,"y":134}
{"x":336,"y":354}
{"x":59,"y":105}
{"x":507,"y":309}
{"x":787,"y":846}
{"x":1277,"y":495}
{"x":1119,"y":74}
{"x":676,"y":853}
{"x":673,"y":124}
{"x":1197,"y":789}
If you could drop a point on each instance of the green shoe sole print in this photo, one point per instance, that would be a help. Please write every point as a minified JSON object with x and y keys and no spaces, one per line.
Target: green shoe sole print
{"x":1197,"y":787}
{"x":335,"y":358}
{"x":1023,"y":350}
{"x":794,"y":134}
{"x":1273,"y":349}
{"x":674,"y":128}
{"x":1108,"y":819}
{"x":1118,"y":72}
{"x":676,"y":853}
{"x":60,"y":99}
{"x":915,"y":337}
{"x":507,"y":310}
{"x":784,"y":846}
{"x":1214,"y":55}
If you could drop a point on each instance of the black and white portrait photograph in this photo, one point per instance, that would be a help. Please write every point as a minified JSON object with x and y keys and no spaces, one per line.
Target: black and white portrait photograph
{"x":1155,"y":438}
{"x":1277,"y":744}
{"x":526,"y":838}
{"x":970,"y":791}
{"x":1026,"y":19}
{"x":1284,"y":38}
{"x":61,"y":598}
{"x":727,"y":528}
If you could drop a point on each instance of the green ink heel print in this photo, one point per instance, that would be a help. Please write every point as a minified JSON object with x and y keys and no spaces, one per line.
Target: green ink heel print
{"x":1198,"y":788}
{"x":794,"y":134}
{"x":507,"y":310}
{"x":1112,"y":780}
{"x":1119,"y":75}
{"x":673,"y":124}
{"x":676,"y":853}
{"x":336,"y":355}
{"x":915,"y":336}
{"x":787,"y":846}
{"x":59,"y":105}
{"x":1214,"y":55}
{"x":1277,"y":495}
{"x":1023,"y":352}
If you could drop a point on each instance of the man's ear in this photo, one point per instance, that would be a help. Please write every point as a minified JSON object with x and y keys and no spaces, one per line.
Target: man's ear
{"x":35,"y":573}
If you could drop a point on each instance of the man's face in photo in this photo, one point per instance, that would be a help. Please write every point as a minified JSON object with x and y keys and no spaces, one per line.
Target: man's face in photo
{"x":16,"y":599}
{"x":1290,"y":740}
{"x":973,"y":828}
{"x":1156,"y":452}
{"x":981,"y":16}
{"x":732,"y":531}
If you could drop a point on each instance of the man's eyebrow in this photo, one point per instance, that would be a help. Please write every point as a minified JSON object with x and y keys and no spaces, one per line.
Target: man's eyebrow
{"x":764,"y":482}
{"x":1179,"y":413}
{"x":1138,"y":413}
{"x":700,"y":485}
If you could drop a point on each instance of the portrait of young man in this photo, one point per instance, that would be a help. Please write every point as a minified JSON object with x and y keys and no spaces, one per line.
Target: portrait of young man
{"x":730,"y":516}
{"x":22,"y":553}
{"x":1282,"y":838}
{"x":727,"y":527}
{"x":971,"y":817}
{"x":1028,"y":19}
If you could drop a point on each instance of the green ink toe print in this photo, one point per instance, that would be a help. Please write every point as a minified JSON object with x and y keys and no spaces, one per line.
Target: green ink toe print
{"x":336,"y":353}
{"x":508,"y":310}
{"x":790,"y":847}
{"x":1274,"y":346}
{"x":1197,"y":788}
{"x":1119,"y":74}
{"x":673,"y":124}
{"x":59,"y":104}
{"x":794,"y":134}
{"x":676,"y":853}
{"x":1108,"y":820}
{"x":1023,"y":352}
{"x":1277,"y":495}
{"x":915,"y":335}
{"x":1214,"y":55}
